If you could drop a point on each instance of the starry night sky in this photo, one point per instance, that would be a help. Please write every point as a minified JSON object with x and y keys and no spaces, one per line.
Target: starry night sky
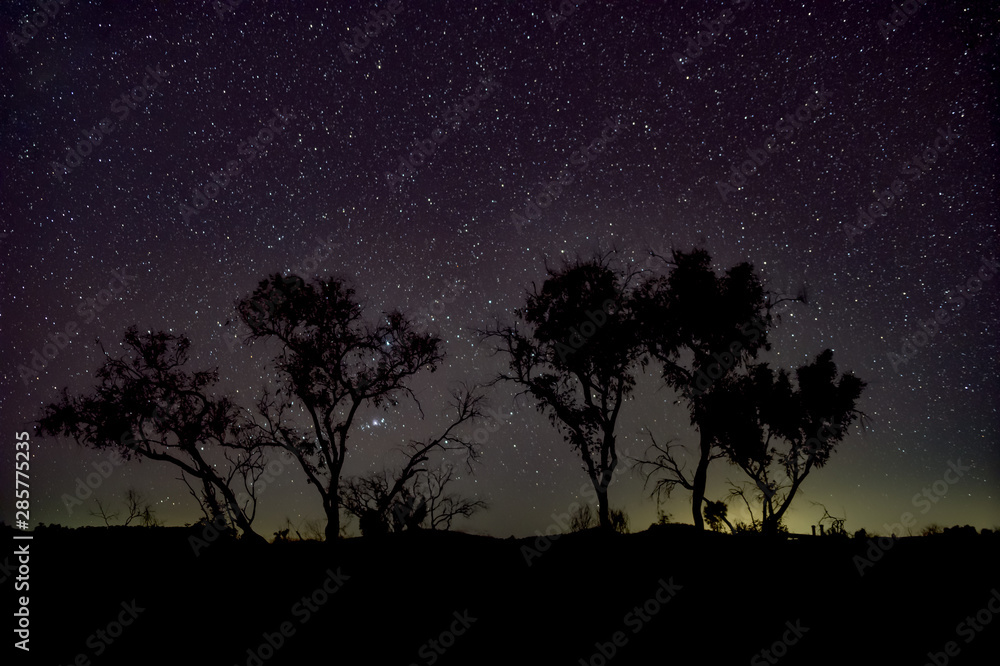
{"x":446,"y":229}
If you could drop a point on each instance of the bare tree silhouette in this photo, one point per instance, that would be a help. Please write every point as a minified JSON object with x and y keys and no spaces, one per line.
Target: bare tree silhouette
{"x":582,"y":519}
{"x":104,"y":513}
{"x":414,"y":494}
{"x":836,"y":525}
{"x":443,"y":507}
{"x":136,"y":507}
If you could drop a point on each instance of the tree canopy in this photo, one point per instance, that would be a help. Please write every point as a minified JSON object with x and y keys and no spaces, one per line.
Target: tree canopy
{"x":331,"y":364}
{"x":575,"y":350}
{"x":147,"y":405}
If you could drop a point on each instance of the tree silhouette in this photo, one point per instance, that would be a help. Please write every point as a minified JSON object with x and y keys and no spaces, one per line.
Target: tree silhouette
{"x":583,"y":518}
{"x":836,"y":525}
{"x":147,"y":406}
{"x":443,"y":507}
{"x":137,"y":507}
{"x":578,"y":361}
{"x":103,"y":512}
{"x":331,"y":364}
{"x":763,"y":411}
{"x":414,"y":494}
{"x":366,"y":497}
{"x":716,"y":515}
{"x":702,"y":327}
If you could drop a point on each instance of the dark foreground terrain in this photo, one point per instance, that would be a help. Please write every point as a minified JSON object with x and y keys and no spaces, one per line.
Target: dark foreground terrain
{"x":664,"y":596}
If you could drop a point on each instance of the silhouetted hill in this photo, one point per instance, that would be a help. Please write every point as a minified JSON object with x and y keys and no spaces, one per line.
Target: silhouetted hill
{"x":723,"y":599}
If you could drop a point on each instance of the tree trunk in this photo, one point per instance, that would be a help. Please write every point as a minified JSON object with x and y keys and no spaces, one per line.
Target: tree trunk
{"x":249,"y":536}
{"x":332,"y":508}
{"x":603,"y":509}
{"x":770,"y":519}
{"x":732,"y":530}
{"x":791,"y":493}
{"x":603,"y":513}
{"x":700,"y":480}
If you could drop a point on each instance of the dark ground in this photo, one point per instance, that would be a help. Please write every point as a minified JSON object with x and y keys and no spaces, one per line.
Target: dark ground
{"x":736,"y":595}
